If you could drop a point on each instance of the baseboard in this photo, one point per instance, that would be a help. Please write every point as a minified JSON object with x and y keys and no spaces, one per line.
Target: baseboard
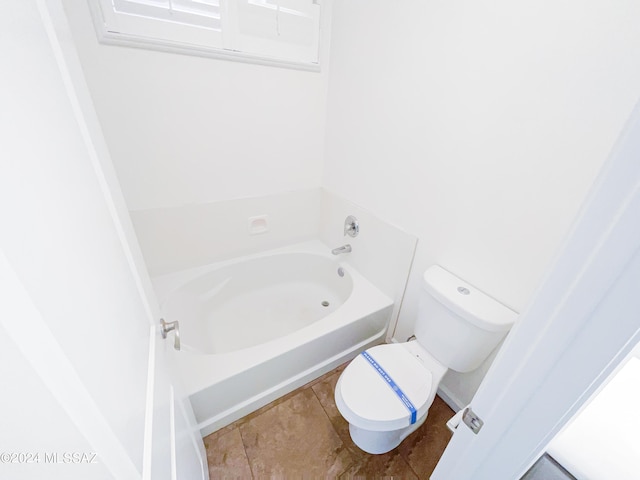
{"x":445,"y":394}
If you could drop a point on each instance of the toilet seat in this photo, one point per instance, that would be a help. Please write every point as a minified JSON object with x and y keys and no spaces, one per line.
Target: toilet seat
{"x":367,"y":401}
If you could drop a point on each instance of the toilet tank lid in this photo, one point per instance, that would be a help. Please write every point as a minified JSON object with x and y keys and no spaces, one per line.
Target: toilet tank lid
{"x":467,"y":301}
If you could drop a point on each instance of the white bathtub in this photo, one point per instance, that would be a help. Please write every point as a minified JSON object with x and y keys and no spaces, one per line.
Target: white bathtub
{"x":257,"y":327}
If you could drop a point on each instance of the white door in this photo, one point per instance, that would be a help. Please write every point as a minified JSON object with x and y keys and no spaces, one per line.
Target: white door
{"x":583,"y":321}
{"x":77,"y":311}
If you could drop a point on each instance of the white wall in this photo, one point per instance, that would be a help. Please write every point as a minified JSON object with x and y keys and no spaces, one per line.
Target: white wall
{"x":54,"y":219}
{"x":477,"y":126}
{"x":184,"y":129}
{"x":35,"y":424}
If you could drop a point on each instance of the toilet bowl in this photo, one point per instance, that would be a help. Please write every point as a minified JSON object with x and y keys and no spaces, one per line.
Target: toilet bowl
{"x":378,"y":417}
{"x":385,"y":392}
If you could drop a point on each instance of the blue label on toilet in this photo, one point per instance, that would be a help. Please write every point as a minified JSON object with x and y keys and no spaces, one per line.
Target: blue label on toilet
{"x":403,"y":398}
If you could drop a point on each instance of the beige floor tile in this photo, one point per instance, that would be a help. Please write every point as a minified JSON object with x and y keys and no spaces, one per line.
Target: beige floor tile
{"x":423,"y":448}
{"x":226,"y":456}
{"x":324,"y":390}
{"x":294,"y":439}
{"x":389,"y":465}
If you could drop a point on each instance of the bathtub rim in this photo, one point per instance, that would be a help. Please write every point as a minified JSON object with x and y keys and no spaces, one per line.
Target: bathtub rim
{"x":312,"y":267}
{"x":166,"y":283}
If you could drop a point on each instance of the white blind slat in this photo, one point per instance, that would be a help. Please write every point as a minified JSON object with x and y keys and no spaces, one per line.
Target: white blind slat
{"x":207,"y":8}
{"x":277,"y":6}
{"x":201,"y":13}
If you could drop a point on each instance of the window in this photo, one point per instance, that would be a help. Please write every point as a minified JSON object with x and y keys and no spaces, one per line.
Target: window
{"x":277,"y":32}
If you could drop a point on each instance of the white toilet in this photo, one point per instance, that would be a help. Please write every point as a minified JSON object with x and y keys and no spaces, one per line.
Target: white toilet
{"x":385,"y":392}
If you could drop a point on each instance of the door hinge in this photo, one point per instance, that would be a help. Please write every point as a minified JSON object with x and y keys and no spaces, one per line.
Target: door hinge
{"x":471,"y":420}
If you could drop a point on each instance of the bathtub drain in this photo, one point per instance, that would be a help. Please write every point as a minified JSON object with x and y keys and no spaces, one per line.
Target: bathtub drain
{"x":325,"y":303}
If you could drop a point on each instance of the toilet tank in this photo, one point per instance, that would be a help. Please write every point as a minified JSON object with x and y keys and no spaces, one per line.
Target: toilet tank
{"x":457,"y":323}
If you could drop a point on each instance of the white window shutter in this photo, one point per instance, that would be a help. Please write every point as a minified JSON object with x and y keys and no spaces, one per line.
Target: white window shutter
{"x":275,"y":30}
{"x":202,"y":13}
{"x":286,"y":29}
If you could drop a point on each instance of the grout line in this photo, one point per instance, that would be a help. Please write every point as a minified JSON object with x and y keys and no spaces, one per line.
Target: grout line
{"x":344,"y":445}
{"x":246,"y":456}
{"x":324,"y":409}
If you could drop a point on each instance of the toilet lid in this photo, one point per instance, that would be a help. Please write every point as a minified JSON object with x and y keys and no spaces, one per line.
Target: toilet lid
{"x":369,"y":399}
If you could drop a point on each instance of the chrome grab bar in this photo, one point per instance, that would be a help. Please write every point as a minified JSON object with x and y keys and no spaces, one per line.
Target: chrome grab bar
{"x":168,"y":327}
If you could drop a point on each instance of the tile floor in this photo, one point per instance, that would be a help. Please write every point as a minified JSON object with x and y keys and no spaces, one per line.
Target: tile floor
{"x":302,"y":435}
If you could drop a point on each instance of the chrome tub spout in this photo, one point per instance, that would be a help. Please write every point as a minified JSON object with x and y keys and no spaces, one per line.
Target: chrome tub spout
{"x":343,"y":249}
